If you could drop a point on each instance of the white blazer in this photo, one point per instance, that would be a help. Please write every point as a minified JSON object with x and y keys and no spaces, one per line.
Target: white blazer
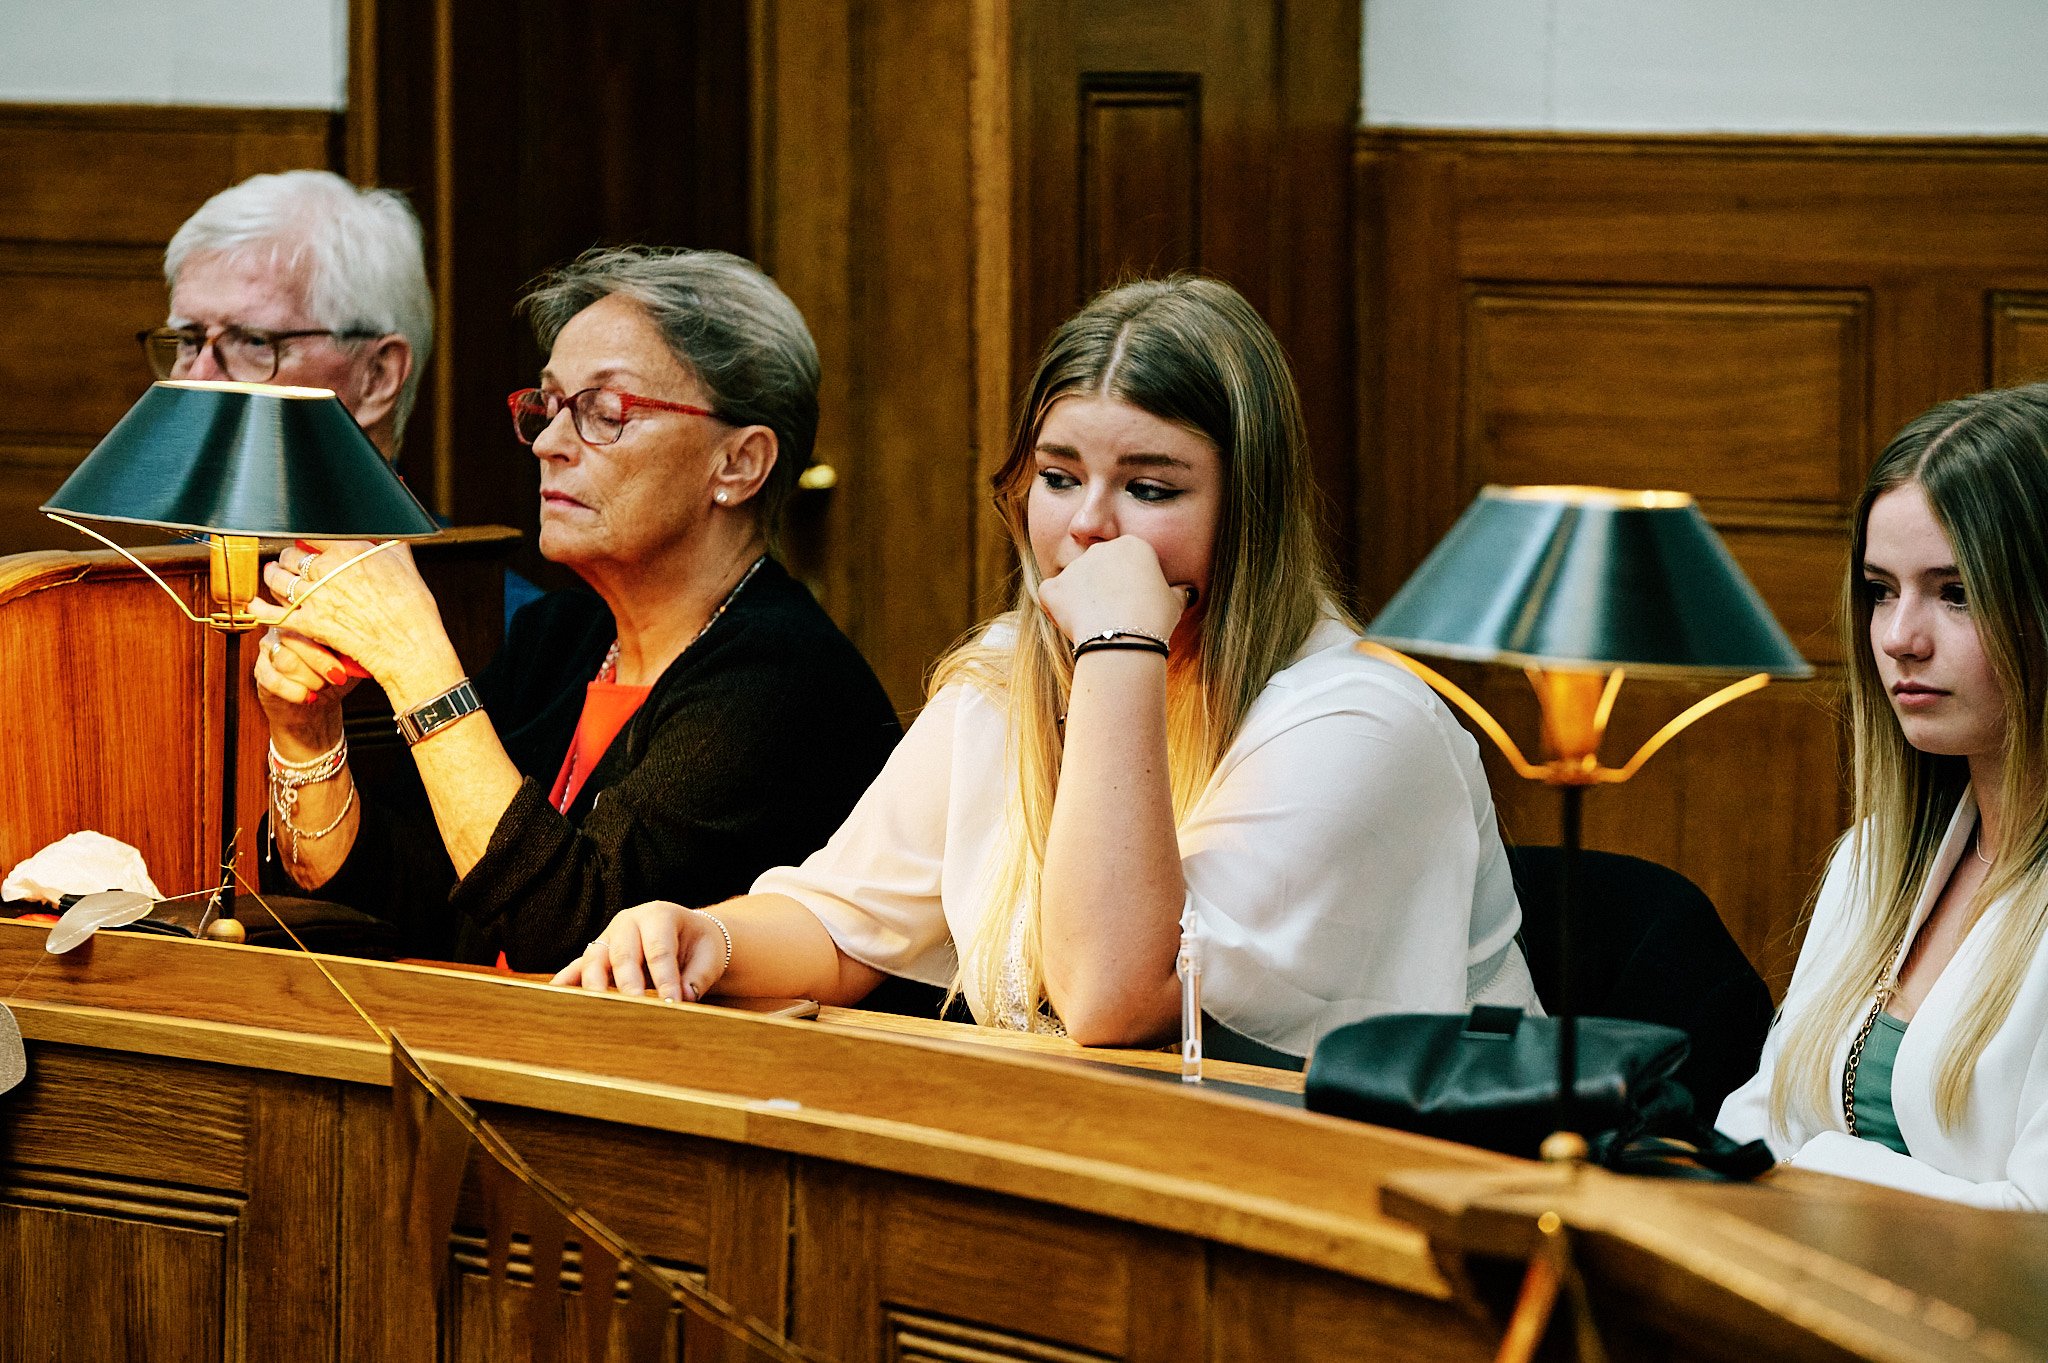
{"x":1997,"y":1155}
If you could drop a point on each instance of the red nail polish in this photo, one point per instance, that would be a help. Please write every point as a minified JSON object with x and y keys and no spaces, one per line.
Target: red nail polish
{"x":336,"y":675}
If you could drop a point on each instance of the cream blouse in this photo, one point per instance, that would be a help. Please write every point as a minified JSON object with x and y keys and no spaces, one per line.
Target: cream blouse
{"x":1344,"y":860}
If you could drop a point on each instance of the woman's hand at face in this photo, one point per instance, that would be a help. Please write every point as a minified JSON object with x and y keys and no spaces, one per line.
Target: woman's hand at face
{"x":378,"y":612}
{"x":677,"y":952}
{"x":1114,"y":584}
{"x":301,"y":686}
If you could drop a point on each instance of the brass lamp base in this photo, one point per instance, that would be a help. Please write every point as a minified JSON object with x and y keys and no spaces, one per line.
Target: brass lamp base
{"x":1563,"y":1147}
{"x":226,"y":930}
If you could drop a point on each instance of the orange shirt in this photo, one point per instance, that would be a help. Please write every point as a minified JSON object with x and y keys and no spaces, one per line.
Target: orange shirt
{"x":606,"y":708}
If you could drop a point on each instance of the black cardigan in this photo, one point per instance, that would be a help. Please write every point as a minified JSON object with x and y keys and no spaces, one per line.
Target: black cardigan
{"x":748,"y":753}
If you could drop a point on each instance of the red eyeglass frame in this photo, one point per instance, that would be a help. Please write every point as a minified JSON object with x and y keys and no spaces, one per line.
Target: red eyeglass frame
{"x":627,"y":402}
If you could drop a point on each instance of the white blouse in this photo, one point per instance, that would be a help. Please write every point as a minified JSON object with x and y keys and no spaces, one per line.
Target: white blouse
{"x":1997,"y":1155}
{"x":1343,"y":862}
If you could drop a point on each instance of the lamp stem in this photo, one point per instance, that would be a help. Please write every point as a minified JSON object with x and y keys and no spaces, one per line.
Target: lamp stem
{"x":223,"y":926}
{"x":1567,"y":984}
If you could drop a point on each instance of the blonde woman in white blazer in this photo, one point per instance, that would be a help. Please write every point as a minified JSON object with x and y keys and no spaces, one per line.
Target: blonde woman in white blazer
{"x":1912,"y":1048}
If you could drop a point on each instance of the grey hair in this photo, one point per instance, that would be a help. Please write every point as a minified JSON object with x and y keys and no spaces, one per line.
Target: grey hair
{"x":359,"y":250}
{"x":726,"y":322}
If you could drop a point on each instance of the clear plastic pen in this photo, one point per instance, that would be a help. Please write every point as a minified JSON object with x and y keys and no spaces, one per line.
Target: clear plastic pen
{"x":1188,"y":965}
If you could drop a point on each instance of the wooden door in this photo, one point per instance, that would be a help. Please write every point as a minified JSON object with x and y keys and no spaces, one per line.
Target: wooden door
{"x":941,"y":182}
{"x":1151,"y":137}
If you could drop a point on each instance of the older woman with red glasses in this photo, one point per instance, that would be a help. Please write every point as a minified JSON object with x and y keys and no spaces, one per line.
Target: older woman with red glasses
{"x":690,"y":720}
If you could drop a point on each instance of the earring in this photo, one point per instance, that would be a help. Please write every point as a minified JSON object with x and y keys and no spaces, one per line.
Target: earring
{"x":720,"y":499}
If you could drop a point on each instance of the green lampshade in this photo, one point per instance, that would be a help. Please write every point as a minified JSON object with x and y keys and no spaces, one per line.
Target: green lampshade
{"x":1577,"y":577}
{"x":243,"y":459}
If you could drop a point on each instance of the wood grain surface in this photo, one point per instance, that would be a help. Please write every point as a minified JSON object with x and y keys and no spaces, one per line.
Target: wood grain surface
{"x":1796,"y":1266}
{"x":910,"y":1104}
{"x":215,"y":1115}
{"x":877,"y":1195}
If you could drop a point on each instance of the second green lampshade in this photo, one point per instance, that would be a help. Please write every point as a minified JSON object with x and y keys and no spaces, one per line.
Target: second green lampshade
{"x":1581,"y":577}
{"x":243,"y":459}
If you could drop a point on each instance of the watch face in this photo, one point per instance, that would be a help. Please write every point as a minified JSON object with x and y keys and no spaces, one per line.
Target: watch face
{"x":416,"y":723}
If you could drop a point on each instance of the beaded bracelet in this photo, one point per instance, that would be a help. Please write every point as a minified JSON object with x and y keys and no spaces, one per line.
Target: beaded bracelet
{"x":287,"y":778}
{"x":330,"y":761}
{"x":724,"y":932}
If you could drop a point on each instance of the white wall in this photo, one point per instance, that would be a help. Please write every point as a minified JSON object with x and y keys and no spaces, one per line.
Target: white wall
{"x":1820,"y":66}
{"x":266,"y":53}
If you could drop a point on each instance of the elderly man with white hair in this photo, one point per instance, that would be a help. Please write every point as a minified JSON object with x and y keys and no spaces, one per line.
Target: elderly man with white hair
{"x":302,"y":278}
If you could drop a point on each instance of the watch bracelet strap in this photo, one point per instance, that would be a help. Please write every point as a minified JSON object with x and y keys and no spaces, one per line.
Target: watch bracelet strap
{"x":423,"y":719}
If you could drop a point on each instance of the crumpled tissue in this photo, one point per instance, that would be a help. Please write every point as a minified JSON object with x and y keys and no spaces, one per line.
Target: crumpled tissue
{"x":79,"y":863}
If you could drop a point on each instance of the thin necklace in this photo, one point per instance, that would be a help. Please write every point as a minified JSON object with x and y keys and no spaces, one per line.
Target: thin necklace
{"x":608,"y":670}
{"x":1978,"y":848}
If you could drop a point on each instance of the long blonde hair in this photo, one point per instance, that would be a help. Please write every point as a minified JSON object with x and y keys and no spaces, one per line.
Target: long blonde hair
{"x":1982,"y":462}
{"x":1190,"y":351}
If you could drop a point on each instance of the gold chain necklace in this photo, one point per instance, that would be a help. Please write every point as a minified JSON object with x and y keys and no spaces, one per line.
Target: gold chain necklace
{"x":1887,"y":985}
{"x":1877,"y":1004}
{"x":608,"y":670}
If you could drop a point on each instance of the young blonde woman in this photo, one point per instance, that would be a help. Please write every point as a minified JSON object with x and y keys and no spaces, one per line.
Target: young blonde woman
{"x":1170,"y":726}
{"x":1912,"y":1048}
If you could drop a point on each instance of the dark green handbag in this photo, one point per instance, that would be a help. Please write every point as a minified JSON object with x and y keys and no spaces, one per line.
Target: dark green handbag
{"x":1490,"y":1080}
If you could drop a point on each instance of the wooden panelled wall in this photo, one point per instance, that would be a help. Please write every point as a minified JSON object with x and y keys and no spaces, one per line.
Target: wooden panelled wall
{"x":88,"y":198}
{"x":1747,"y":320}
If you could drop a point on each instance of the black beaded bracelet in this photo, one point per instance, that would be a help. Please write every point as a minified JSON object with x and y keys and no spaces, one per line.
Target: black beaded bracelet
{"x":1142,"y":645}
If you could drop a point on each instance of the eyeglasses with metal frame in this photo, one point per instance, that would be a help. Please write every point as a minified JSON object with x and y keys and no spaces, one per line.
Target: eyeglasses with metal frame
{"x":599,"y":414}
{"x":244,"y":354}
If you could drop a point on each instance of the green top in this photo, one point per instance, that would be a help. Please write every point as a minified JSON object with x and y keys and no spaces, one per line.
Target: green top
{"x":1875,"y":1120}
